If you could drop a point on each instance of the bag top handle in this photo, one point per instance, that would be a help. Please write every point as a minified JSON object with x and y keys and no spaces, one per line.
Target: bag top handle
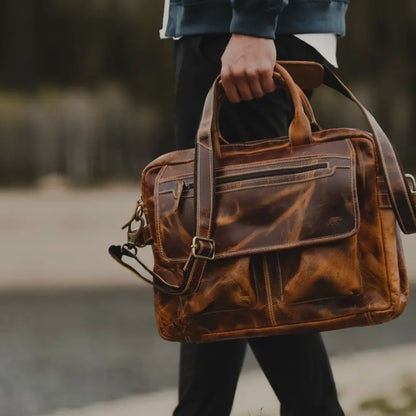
{"x":300,"y":127}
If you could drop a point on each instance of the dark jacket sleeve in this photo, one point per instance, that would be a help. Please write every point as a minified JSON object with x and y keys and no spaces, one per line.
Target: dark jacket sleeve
{"x":256,"y":17}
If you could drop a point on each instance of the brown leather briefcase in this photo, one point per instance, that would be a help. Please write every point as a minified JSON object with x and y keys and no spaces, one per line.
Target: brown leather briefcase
{"x":274,"y":236}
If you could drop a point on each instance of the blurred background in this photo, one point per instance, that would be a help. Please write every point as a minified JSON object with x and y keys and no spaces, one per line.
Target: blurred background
{"x":86,"y":91}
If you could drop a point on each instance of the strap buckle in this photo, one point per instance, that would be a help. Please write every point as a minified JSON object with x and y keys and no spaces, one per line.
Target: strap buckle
{"x":199,"y":243}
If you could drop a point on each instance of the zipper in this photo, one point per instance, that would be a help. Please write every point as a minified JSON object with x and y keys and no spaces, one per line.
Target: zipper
{"x":188,"y":184}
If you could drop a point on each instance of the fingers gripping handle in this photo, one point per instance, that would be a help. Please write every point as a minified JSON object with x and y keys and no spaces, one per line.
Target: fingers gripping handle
{"x":299,"y":129}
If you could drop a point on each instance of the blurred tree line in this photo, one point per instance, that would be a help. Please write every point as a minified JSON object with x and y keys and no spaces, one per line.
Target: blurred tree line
{"x":87,"y":89}
{"x":85,"y":42}
{"x":86,"y":86}
{"x":377,"y":58}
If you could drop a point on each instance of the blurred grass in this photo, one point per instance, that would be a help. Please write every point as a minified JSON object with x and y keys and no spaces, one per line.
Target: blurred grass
{"x":403,"y":405}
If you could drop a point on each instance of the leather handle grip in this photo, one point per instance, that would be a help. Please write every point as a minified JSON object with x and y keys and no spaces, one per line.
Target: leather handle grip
{"x":299,"y":129}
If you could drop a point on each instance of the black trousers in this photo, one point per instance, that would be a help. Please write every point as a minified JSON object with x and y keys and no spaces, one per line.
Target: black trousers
{"x":296,"y":366}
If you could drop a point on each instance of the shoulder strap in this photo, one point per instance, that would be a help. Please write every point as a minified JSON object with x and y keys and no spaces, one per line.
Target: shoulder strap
{"x":402,"y":198}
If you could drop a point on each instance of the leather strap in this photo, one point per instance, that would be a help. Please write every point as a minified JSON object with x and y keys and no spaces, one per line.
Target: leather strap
{"x":402,"y":199}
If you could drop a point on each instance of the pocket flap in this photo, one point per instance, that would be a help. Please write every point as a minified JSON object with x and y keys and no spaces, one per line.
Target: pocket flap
{"x":306,"y":197}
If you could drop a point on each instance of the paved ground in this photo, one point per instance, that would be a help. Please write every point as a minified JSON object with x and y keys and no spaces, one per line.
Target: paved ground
{"x":58,"y":237}
{"x":76,"y":329}
{"x":383,"y":390}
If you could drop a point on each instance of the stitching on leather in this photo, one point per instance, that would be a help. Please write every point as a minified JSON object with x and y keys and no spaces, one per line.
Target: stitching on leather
{"x":277,"y":183}
{"x":254,"y":165}
{"x":345,"y":133}
{"x":248,"y":172}
{"x":355,"y":202}
{"x":286,"y":160}
{"x":158,"y":165}
{"x":211,"y":189}
{"x":313,"y":300}
{"x":234,"y":187}
{"x":318,"y":138}
{"x":279,"y":270}
{"x":212,"y":195}
{"x":282,"y":327}
{"x":370,"y":319}
{"x":385,"y":242}
{"x":259,"y":250}
{"x":205,"y":146}
{"x":157,"y":217}
{"x":232,"y":173}
{"x":143,"y":185}
{"x":276,"y":247}
{"x":268,"y":288}
{"x":197,"y":208}
{"x":249,"y":331}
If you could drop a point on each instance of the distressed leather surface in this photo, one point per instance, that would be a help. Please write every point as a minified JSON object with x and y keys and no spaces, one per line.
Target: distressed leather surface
{"x":304,"y":195}
{"x":356,"y":276}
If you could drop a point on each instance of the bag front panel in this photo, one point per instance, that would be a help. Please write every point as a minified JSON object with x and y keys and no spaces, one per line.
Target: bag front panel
{"x":352,"y":281}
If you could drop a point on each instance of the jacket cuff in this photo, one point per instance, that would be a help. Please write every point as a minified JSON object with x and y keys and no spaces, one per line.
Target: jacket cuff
{"x":259,"y":23}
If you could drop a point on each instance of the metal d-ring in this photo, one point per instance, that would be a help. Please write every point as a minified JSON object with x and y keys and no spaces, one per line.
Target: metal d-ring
{"x":411,"y":182}
{"x":129,"y":248}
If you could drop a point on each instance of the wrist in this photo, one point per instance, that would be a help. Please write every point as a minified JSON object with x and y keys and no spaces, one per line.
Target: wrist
{"x":256,"y":23}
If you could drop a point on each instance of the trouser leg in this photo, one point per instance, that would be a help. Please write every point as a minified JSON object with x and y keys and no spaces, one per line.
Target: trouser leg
{"x":298,"y":369}
{"x":208,"y":378}
{"x":296,"y":366}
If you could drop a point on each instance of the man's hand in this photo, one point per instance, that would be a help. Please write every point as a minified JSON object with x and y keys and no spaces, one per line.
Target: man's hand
{"x":247,"y":67}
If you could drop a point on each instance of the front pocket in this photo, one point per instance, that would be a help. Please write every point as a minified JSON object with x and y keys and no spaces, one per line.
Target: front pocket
{"x":226,"y":285}
{"x":318,"y":273}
